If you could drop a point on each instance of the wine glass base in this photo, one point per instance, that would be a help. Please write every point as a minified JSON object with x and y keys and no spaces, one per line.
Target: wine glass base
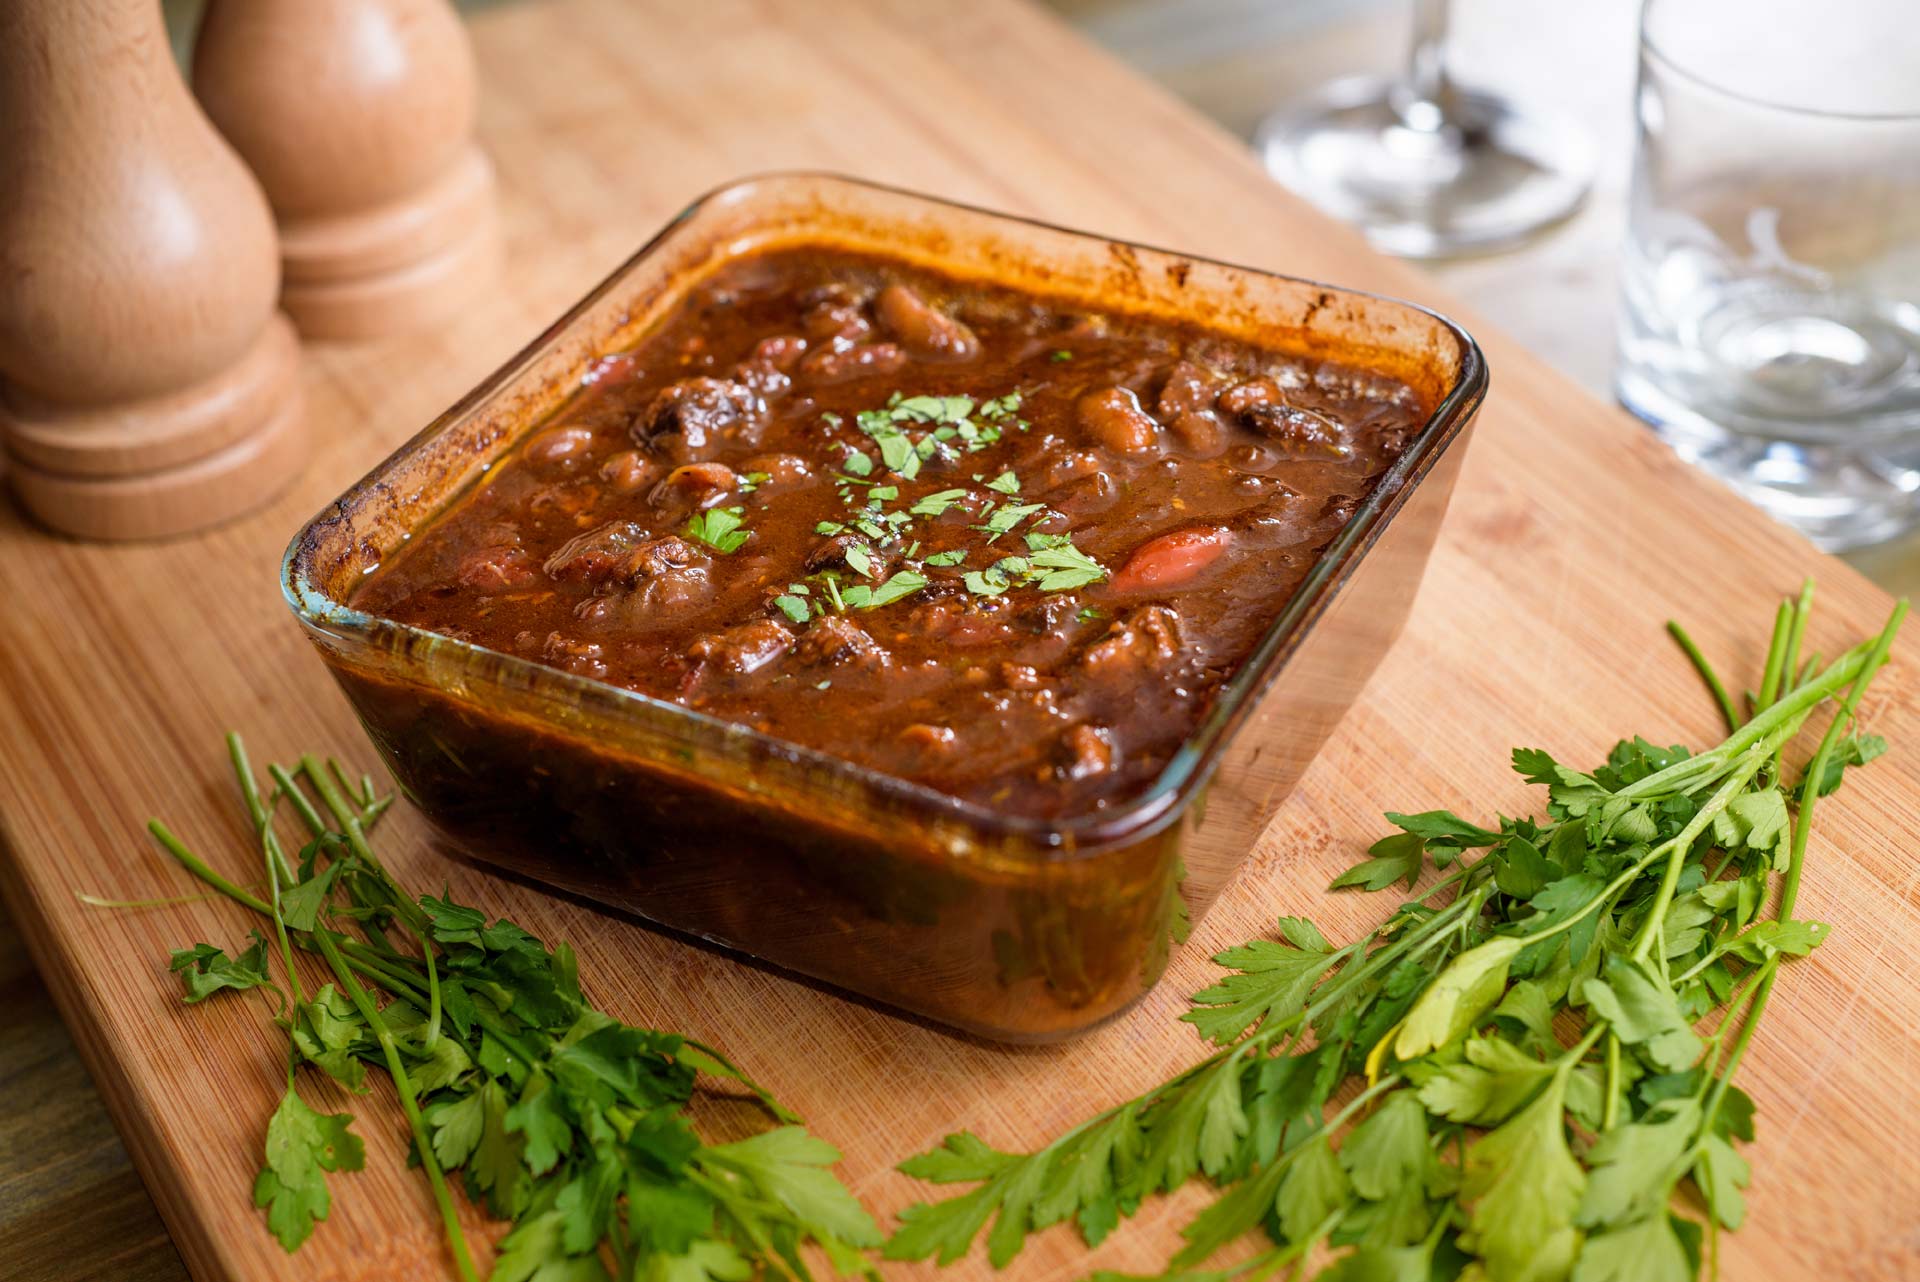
{"x":1490,"y":179}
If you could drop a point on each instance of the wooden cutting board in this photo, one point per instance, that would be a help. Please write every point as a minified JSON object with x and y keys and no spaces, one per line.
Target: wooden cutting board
{"x":1574,"y":535}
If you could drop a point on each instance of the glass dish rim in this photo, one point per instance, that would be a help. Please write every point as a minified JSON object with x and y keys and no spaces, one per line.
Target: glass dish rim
{"x":1085,"y":833}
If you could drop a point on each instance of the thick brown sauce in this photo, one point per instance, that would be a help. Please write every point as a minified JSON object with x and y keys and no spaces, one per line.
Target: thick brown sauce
{"x":1195,"y":477}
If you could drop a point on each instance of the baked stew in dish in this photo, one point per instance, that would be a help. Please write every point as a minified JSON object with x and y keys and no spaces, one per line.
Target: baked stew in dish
{"x":1000,"y":546}
{"x":929,"y":602}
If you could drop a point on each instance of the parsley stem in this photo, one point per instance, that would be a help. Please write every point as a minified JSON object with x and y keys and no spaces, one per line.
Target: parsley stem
{"x":409,"y":1103}
{"x":1611,"y":1114}
{"x":1708,"y":765}
{"x":275,"y":859}
{"x":1677,"y":846}
{"x":257,"y":808}
{"x":1776,"y":657}
{"x":198,"y":867}
{"x":1876,"y":655}
{"x":348,"y":817}
{"x":301,"y":806}
{"x":1720,"y":696}
{"x":1790,"y":662}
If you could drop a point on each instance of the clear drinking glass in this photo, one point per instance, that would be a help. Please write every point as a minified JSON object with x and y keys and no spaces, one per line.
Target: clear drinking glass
{"x":1771,"y":323}
{"x":1426,"y":168}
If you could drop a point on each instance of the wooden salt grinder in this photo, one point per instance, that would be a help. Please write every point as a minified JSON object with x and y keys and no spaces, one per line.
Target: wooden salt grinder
{"x":357,"y":115}
{"x":147,"y":385}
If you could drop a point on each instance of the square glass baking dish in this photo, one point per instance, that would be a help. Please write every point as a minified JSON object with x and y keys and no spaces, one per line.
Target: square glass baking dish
{"x":1005,"y":926}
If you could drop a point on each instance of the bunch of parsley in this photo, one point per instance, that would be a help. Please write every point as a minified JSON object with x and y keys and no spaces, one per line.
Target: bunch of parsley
{"x":1504,"y":1081}
{"x":557,"y":1116}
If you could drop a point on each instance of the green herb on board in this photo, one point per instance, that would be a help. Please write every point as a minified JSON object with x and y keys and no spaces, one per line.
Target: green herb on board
{"x":550,"y":1112}
{"x":1505,"y":1080}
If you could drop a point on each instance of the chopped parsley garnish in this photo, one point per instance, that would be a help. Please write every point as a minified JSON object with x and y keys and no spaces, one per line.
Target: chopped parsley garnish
{"x":953,"y":556}
{"x":861,"y":560}
{"x":936,"y":503}
{"x":1066,"y":567}
{"x":750,"y":482}
{"x":1003,"y":521}
{"x":1062,"y":355}
{"x":719,"y":528}
{"x":904,"y":583}
{"x":793,"y":607}
{"x":1006,"y":483}
{"x":986,"y":582}
{"x":1055,"y":565}
{"x":1089,"y":613}
{"x":883,"y":493}
{"x":828,"y":527}
{"x":857,"y":464}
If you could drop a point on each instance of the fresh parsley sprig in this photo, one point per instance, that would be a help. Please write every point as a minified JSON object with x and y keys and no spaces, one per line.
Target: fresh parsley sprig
{"x":1525,"y":1089}
{"x":555,"y":1115}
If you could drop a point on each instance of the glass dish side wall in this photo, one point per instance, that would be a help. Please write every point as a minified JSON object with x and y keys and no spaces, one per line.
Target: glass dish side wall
{"x":1314,"y":686}
{"x":1014,"y":950}
{"x":1009,"y":928}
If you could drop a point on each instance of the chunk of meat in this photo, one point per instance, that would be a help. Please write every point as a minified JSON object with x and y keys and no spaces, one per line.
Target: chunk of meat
{"x":1139,"y":640}
{"x":686,"y":421}
{"x":834,"y":311}
{"x":557,"y":448}
{"x":780,"y":351}
{"x":779,"y":469}
{"x":621,"y":554}
{"x":835,"y":641}
{"x":766,"y":370}
{"x":1088,"y":751}
{"x":1170,"y":560}
{"x":1062,"y":468}
{"x":1186,"y":406}
{"x":598,"y":555}
{"x":628,"y":472}
{"x":1085,"y":495}
{"x":1188,"y":389}
{"x":652,"y":581}
{"x":926,"y":737}
{"x":1261,"y":404}
{"x":1251,"y":394}
{"x":1301,"y":431}
{"x":841,"y":361}
{"x":704,"y":483}
{"x":1112,"y":417}
{"x":743,"y":648}
{"x":500,"y":568}
{"x":585,"y":658}
{"x":922,"y":328}
{"x":964,"y":621}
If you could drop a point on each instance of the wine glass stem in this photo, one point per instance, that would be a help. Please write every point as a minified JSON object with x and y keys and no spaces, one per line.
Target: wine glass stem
{"x":1424,"y":100}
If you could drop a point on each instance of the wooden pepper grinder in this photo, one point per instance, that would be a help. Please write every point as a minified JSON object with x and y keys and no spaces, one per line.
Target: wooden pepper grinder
{"x":147,"y":385}
{"x":357,"y":115}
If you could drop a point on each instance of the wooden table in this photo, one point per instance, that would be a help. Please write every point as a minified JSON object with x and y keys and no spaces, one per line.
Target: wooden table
{"x":1573,"y":537}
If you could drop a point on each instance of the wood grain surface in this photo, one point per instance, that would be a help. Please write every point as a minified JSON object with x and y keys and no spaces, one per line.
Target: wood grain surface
{"x":1573,"y":537}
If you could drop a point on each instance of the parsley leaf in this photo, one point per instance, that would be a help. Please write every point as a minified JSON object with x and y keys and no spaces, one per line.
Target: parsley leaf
{"x":902,"y":583}
{"x":206,"y":970}
{"x":719,"y":528}
{"x":302,"y":1146}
